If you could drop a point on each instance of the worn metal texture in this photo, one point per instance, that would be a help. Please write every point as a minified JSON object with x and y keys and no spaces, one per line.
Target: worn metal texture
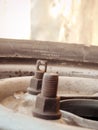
{"x":21,"y":83}
{"x":18,"y":69}
{"x":36,"y":81}
{"x":17,"y":58}
{"x":47,"y":103}
{"x":11,"y":48}
{"x":67,"y":86}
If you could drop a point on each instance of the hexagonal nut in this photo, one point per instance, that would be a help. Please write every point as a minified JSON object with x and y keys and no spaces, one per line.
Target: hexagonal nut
{"x":45,"y":104}
{"x":47,"y":108}
{"x":51,"y":105}
{"x":39,"y":105}
{"x":36,"y":83}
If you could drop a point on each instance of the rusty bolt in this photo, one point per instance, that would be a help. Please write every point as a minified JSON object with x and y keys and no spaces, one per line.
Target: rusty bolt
{"x":36,"y":81}
{"x":47,"y":103}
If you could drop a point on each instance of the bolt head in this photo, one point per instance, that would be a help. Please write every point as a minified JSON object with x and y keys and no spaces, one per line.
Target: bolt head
{"x":36,"y":83}
{"x":35,"y":86}
{"x":47,"y":108}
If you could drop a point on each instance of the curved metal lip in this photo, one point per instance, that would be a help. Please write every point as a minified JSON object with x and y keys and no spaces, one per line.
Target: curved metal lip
{"x":86,"y":108}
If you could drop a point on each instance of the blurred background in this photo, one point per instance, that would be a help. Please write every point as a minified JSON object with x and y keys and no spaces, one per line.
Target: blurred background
{"x":69,"y":21}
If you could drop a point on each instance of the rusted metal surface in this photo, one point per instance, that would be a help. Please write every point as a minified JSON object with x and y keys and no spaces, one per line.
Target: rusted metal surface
{"x":18,"y":69}
{"x":47,"y":103}
{"x":21,"y":49}
{"x":50,"y":85}
{"x":17,"y":57}
{"x":40,"y":63}
{"x":36,"y":81}
{"x":11,"y":48}
{"x":9,"y":86}
{"x":67,"y":86}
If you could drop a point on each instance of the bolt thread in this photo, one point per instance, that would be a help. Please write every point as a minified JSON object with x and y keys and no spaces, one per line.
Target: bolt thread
{"x":49,"y":85}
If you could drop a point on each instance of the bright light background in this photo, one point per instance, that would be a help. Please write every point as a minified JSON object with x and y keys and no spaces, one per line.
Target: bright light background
{"x":71,"y":21}
{"x":15,"y":19}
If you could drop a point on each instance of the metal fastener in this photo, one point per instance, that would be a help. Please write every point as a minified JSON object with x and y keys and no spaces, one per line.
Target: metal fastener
{"x":47,"y":103}
{"x":36,"y":81}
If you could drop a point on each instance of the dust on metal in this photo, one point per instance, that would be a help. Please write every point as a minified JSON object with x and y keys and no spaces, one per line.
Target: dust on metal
{"x":47,"y":103}
{"x":36,"y":81}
